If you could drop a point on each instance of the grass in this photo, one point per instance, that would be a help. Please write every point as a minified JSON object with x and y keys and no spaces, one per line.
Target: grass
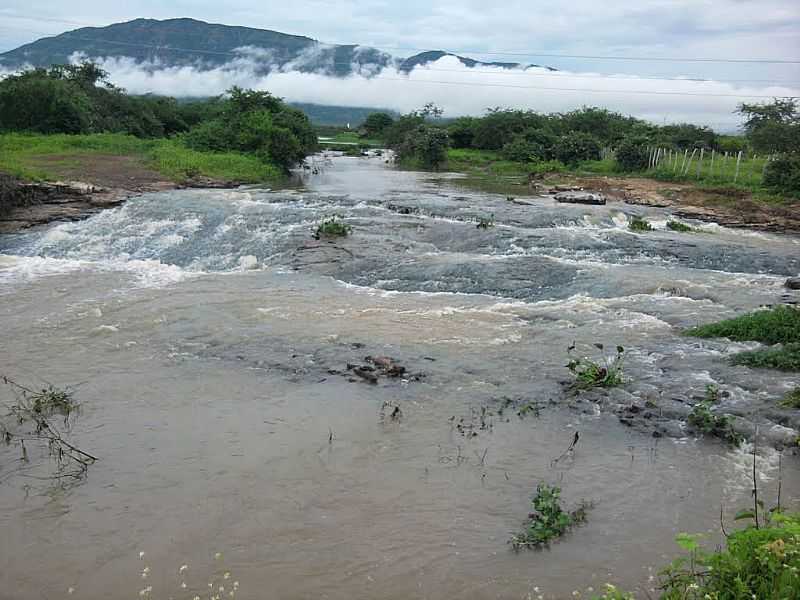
{"x":779,"y":325}
{"x":639,"y":224}
{"x":590,"y":374}
{"x":783,"y":358}
{"x":548,"y":521}
{"x":21,"y":154}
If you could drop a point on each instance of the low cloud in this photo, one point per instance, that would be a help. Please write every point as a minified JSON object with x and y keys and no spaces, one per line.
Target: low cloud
{"x":458,"y":89}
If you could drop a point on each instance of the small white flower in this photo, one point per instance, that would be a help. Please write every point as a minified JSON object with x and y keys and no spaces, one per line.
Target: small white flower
{"x":183,"y":585}
{"x":536,"y":589}
{"x":218,"y":555}
{"x":236,"y":585}
{"x":196,"y":598}
{"x":71,"y":591}
{"x":231,"y":593}
{"x":227,"y":575}
{"x":221,"y":589}
{"x":183,"y":568}
{"x":141,"y":555}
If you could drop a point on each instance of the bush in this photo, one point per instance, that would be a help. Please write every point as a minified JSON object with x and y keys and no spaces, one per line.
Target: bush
{"x":376,"y":123}
{"x":521,"y":150}
{"x":757,"y":562}
{"x":575,"y":147}
{"x":783,"y":174}
{"x":425,"y":144}
{"x":639,"y":224}
{"x":632,"y":155}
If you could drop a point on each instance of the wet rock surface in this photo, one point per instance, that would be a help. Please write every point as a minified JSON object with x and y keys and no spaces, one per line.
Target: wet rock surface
{"x":580,"y":198}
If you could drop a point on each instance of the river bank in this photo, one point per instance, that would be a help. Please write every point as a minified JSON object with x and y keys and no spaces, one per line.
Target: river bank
{"x":227,"y":393}
{"x":732,"y":206}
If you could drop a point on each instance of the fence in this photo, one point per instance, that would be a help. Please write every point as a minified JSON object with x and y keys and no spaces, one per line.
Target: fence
{"x":709,"y":166}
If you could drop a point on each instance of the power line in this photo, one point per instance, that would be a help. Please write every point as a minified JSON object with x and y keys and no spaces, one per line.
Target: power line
{"x":792,"y":61}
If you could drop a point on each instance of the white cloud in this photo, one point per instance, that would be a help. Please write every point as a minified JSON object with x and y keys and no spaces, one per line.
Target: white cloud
{"x":461,"y":90}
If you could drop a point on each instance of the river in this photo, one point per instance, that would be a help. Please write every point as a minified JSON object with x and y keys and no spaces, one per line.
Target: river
{"x":208,"y":336}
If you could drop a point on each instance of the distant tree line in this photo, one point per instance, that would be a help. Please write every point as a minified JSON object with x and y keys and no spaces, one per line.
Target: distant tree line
{"x":79,"y":99}
{"x":529,"y":137}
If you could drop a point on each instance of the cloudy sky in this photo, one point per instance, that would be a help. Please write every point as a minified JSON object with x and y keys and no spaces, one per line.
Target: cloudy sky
{"x":723,"y":31}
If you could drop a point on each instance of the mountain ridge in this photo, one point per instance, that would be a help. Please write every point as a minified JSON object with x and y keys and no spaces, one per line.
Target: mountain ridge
{"x":191,"y":42}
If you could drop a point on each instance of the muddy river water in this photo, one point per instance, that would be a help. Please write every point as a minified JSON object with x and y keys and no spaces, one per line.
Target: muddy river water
{"x":208,"y":336}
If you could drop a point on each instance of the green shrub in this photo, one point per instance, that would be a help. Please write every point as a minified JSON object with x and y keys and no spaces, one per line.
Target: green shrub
{"x":548,"y":521}
{"x":792,"y":399}
{"x":575,"y":147}
{"x":757,"y":562}
{"x":632,"y":155}
{"x":704,"y":420}
{"x":639,"y":224}
{"x":521,"y":150}
{"x":782,"y":174}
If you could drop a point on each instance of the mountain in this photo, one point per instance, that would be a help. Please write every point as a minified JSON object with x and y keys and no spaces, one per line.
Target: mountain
{"x":189,"y":42}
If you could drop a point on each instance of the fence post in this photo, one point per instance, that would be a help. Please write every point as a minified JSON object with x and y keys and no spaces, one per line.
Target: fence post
{"x":689,"y":164}
{"x":738,"y":161}
{"x":683,"y":164}
{"x":711,"y":170}
{"x":700,"y":162}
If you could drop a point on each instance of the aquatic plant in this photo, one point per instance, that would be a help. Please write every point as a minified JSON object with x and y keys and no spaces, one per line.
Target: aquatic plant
{"x":29,"y":419}
{"x":783,"y":358}
{"x":703,"y":419}
{"x":484,"y":223}
{"x":589,"y":373}
{"x":678,"y":226}
{"x":792,"y":399}
{"x":548,"y":520}
{"x":332,"y":227}
{"x":613,"y":593}
{"x":639,"y":224}
{"x":761,"y":561}
{"x":779,"y":325}
{"x":220,"y":583}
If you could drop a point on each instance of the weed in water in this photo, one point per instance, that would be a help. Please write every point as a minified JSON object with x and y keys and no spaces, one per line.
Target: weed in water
{"x":779,"y":325}
{"x":639,"y":224}
{"x":783,"y":358}
{"x":484,"y":223}
{"x":589,"y":373}
{"x":678,"y":226}
{"x":792,"y":399}
{"x":704,"y":420}
{"x":332,"y":227}
{"x":548,"y":521}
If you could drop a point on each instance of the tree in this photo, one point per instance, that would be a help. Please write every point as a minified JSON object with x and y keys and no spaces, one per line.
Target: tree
{"x":426,"y":144}
{"x":773,"y":126}
{"x":376,"y":123}
{"x":575,"y":147}
{"x":632,"y":154}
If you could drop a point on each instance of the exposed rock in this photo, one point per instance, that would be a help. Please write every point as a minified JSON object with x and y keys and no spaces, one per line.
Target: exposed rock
{"x":793,"y":283}
{"x":580,"y":198}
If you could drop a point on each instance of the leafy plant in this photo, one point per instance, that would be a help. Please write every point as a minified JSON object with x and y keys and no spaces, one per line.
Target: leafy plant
{"x":589,"y":373}
{"x":761,"y":561}
{"x":632,"y":155}
{"x":613,"y":593}
{"x":548,"y":521}
{"x":485,"y":223}
{"x":639,"y":224}
{"x":678,"y":226}
{"x":792,"y":399}
{"x":332,"y":227}
{"x":703,"y":419}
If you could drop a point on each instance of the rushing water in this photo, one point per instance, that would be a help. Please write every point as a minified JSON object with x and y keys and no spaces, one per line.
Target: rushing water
{"x":210,"y":335}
